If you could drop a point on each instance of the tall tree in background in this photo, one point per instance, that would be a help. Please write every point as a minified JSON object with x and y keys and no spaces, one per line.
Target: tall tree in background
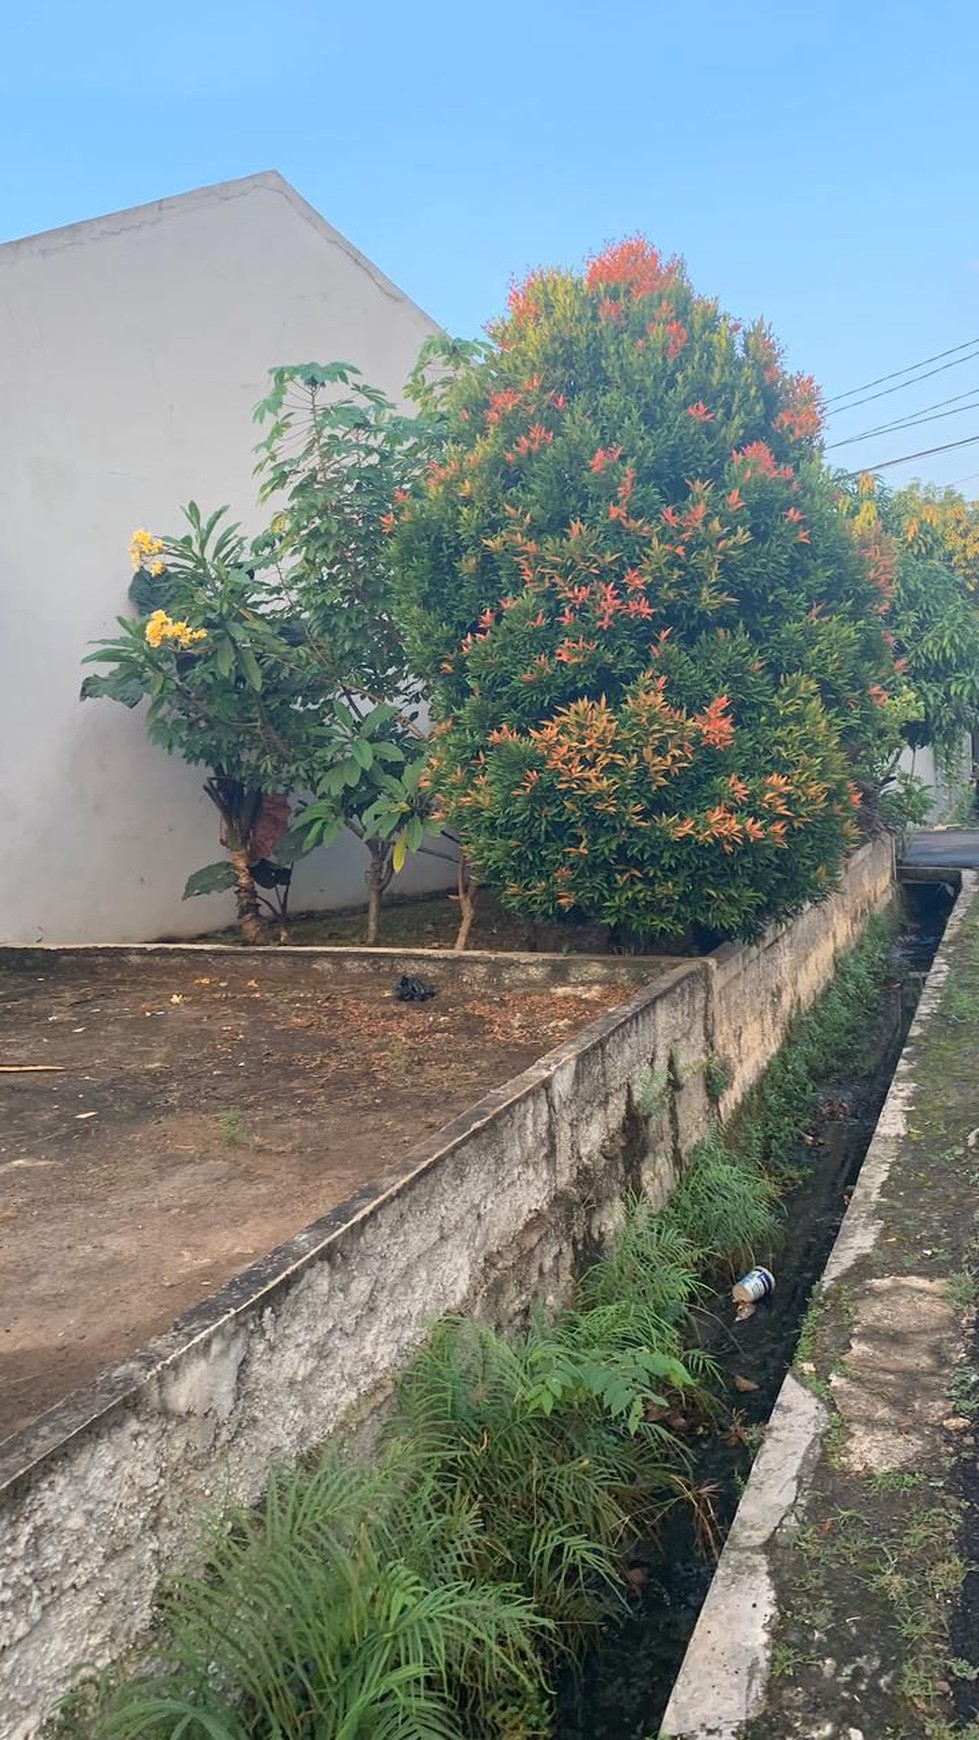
{"x":934,"y":618}
{"x":928,"y":513}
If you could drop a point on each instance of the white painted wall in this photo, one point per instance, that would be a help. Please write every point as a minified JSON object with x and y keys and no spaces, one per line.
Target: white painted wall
{"x":947,"y":787}
{"x":132,"y":352}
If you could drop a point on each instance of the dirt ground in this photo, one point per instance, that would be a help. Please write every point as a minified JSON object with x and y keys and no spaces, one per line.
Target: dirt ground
{"x":192,"y":1122}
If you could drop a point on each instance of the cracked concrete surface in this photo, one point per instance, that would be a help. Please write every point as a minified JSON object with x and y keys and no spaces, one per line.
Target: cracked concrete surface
{"x":892,"y":1391}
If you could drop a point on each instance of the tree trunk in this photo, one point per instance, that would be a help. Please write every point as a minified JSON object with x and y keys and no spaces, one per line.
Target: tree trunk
{"x":467,"y":905}
{"x":373,"y":909}
{"x":379,"y":872}
{"x":250,"y":921}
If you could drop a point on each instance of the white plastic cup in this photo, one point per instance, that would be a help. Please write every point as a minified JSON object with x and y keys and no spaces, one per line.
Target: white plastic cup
{"x":755,"y":1285}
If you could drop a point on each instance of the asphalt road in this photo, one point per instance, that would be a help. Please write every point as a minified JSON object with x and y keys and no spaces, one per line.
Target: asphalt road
{"x":944,"y":848}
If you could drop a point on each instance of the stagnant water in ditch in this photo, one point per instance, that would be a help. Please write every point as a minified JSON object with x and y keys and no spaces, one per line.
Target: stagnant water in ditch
{"x":626,"y":1680}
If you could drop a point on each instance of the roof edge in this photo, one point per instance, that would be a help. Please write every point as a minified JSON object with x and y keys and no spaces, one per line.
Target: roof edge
{"x":132,"y":217}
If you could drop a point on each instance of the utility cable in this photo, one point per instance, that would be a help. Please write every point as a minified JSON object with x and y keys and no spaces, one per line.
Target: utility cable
{"x":905,"y":371}
{"x":885,"y":391}
{"x":904,"y":423}
{"x":925,"y":453}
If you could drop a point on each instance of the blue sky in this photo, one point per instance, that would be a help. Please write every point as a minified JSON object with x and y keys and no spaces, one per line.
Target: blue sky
{"x":815,"y":163}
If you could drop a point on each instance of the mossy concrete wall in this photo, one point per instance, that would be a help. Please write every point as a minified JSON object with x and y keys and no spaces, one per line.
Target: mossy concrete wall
{"x":501,"y":1207}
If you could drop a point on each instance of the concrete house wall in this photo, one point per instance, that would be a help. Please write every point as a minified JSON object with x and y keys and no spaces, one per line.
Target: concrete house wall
{"x":947,"y":787}
{"x":132,"y":351}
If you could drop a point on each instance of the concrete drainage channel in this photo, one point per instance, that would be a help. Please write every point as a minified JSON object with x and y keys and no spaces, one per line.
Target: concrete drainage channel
{"x":626,"y":1679}
{"x":727,"y":1684}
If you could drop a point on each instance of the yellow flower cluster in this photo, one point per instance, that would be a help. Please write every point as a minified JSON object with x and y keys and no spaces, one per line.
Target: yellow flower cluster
{"x":142,"y":548}
{"x":160,"y":629}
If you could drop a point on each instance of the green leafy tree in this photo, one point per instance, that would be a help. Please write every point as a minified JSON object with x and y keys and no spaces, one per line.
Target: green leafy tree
{"x":655,"y":648}
{"x":934,"y":518}
{"x":933,"y":622}
{"x":337,"y":463}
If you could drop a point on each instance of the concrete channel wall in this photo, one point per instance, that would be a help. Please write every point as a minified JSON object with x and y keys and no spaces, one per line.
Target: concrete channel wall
{"x":499,"y":1208}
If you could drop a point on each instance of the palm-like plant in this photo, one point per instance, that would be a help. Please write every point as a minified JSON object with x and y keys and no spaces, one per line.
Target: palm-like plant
{"x":346,"y":1609}
{"x":547,"y":1437}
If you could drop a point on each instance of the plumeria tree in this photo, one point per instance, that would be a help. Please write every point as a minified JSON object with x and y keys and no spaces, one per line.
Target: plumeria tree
{"x":214,"y":658}
{"x":655,"y":647}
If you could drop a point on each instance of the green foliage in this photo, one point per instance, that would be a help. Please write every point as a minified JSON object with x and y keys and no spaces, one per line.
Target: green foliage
{"x":211,"y":651}
{"x":348,"y":1608}
{"x":650,"y":1275}
{"x":936,"y":628}
{"x":216,"y":654}
{"x":277,"y":664}
{"x":766,"y":1131}
{"x":905,"y":801}
{"x":722,"y":1205}
{"x":212,"y":879}
{"x":547,"y":1436}
{"x":933,"y":620}
{"x":335,"y":465}
{"x":717,"y":1078}
{"x":939,"y":522}
{"x":653,"y":641}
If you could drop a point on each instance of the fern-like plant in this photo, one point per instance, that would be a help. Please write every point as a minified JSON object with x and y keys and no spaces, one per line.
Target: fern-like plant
{"x":348,"y":1608}
{"x":547,"y":1436}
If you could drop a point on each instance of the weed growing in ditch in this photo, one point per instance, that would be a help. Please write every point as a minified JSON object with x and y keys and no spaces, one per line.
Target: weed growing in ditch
{"x":428,"y":1597}
{"x":351,"y":1604}
{"x":653,"y":1090}
{"x":766,"y":1133}
{"x":717,"y":1078}
{"x":723,"y":1206}
{"x":548,"y":1438}
{"x":650,"y":1272}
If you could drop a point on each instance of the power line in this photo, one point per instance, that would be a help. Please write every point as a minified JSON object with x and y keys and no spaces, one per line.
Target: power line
{"x":904,"y":423}
{"x":926,"y":453}
{"x":906,"y":371}
{"x":902,"y":384}
{"x":936,"y":405}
